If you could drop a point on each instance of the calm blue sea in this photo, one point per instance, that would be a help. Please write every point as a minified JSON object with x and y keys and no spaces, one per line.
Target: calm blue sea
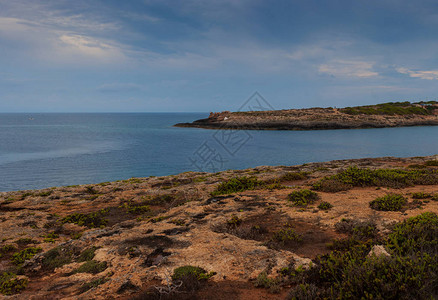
{"x":44,"y":150}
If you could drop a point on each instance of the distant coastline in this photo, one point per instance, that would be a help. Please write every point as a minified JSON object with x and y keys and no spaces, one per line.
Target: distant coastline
{"x":393,"y":114}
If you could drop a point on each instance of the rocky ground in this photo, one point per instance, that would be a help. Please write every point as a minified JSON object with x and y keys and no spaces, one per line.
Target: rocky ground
{"x":124,"y":239}
{"x":312,"y":119}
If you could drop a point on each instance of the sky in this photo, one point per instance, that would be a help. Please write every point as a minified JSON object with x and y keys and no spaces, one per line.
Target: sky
{"x":201,"y":56}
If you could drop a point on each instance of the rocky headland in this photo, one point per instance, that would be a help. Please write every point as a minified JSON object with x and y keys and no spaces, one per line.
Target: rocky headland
{"x":260,"y":233}
{"x":397,"y":114}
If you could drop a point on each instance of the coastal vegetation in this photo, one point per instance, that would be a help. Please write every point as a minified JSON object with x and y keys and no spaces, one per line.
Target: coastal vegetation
{"x":394,"y":108}
{"x":334,"y":230}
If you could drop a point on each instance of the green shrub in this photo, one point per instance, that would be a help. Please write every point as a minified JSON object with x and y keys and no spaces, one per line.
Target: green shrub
{"x":92,"y":284}
{"x":87,"y":254}
{"x":268,"y":283}
{"x":197,"y":272}
{"x":234,"y":221}
{"x":358,"y":229}
{"x":6,"y":249}
{"x":10,"y":285}
{"x":91,"y":220}
{"x":415,"y":235}
{"x":136,"y":208}
{"x":25,"y":241}
{"x":92,"y":267}
{"x":286,"y":236}
{"x":292,"y":176}
{"x":237,"y":184}
{"x":390,"y":202}
{"x":325,"y":205}
{"x":303,"y":197}
{"x":431,"y":163}
{"x":57,"y":257}
{"x":421,"y":195}
{"x":50,"y":237}
{"x":20,"y":257}
{"x":45,"y":194}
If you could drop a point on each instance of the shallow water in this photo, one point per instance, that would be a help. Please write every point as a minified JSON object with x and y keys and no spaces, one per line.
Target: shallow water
{"x":43,"y":150}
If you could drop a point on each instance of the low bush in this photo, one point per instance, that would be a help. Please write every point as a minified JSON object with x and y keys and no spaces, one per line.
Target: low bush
{"x":92,"y":267}
{"x":191,"y":277}
{"x":390,"y":202}
{"x":57,"y":257}
{"x":358,"y":229}
{"x":416,"y":235}
{"x":87,"y":254}
{"x":394,"y":178}
{"x":292,"y":176}
{"x":10,"y":284}
{"x":421,"y":195}
{"x":303,"y":197}
{"x":237,"y":184}
{"x":286,"y":236}
{"x":325,"y":205}
{"x":264,"y":281}
{"x":25,"y":254}
{"x":431,"y":163}
{"x":91,"y":220}
{"x":92,"y":284}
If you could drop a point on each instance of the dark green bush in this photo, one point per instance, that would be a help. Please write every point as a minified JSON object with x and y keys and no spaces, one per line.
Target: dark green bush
{"x":303,"y":197}
{"x":431,"y":163}
{"x":286,"y":236}
{"x":292,"y":176}
{"x":358,"y":229}
{"x":415,"y":235}
{"x":87,"y":254}
{"x":390,"y":202}
{"x":237,"y":184}
{"x":92,"y":284}
{"x":197,"y":272}
{"x":91,"y":220}
{"x":325,"y":205}
{"x":57,"y":257}
{"x":92,"y":267}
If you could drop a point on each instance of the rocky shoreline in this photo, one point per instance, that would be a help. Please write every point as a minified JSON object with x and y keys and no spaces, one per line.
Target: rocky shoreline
{"x":125,"y":239}
{"x":317,"y":119}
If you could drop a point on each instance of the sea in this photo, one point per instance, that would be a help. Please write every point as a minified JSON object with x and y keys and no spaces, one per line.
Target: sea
{"x":57,"y":149}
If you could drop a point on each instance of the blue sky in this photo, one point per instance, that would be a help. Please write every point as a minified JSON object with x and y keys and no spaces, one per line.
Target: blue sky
{"x":192,"y":55}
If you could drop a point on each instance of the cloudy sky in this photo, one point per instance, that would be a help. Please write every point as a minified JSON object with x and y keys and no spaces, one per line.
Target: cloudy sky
{"x":193,"y":55}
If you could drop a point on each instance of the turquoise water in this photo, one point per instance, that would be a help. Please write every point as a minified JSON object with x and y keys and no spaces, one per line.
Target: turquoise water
{"x":44,"y":150}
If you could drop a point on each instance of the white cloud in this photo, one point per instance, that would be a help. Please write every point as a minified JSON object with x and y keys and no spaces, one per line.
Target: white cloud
{"x":61,"y":46}
{"x":348,"y":68}
{"x":428,"y":75}
{"x":87,"y":47}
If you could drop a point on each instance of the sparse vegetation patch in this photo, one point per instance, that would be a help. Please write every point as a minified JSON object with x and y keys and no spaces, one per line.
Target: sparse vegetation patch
{"x":394,"y":178}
